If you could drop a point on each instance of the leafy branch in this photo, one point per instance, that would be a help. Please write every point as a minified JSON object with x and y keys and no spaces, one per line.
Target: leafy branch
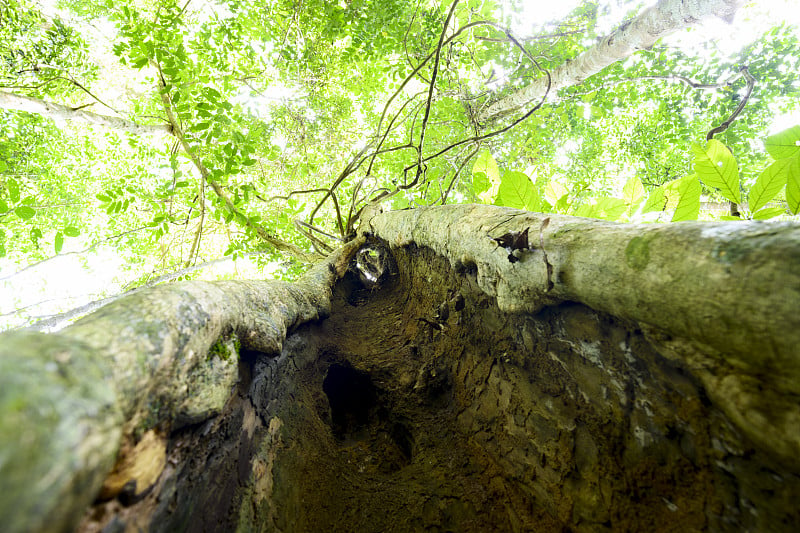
{"x":419,"y":165}
{"x":206,"y":177}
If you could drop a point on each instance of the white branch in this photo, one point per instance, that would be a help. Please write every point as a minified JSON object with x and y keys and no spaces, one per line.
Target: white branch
{"x":666,"y":17}
{"x":58,"y":111}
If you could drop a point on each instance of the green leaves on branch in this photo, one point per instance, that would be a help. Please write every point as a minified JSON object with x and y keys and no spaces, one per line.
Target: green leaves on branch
{"x":116,"y":200}
{"x":716,"y":167}
{"x":784,"y":144}
{"x":68,"y":231}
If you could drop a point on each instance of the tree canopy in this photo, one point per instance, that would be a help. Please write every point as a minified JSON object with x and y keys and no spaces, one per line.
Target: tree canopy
{"x":171,"y":134}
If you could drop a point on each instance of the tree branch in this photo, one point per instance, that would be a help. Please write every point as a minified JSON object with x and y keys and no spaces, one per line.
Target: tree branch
{"x":262,"y":233}
{"x":642,"y":32}
{"x":57,"y":111}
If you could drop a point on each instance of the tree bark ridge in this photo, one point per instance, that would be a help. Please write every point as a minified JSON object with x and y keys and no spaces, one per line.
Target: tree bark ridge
{"x":729,"y":288}
{"x":151,"y":362}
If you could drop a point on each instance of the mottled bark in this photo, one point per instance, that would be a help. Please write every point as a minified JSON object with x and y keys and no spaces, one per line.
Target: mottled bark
{"x":665,"y":18}
{"x":56,"y":111}
{"x":153,"y":362}
{"x":597,"y":377}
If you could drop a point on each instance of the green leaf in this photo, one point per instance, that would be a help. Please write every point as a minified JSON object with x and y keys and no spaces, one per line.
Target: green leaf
{"x":485,"y":163}
{"x":769,"y":183}
{"x":71,"y":231}
{"x":768,"y":212}
{"x":399,"y":202}
{"x":139,"y":62}
{"x":793,"y":187}
{"x":610,"y":208}
{"x":656,"y":201}
{"x":716,"y":167}
{"x":13,"y":190}
{"x":3,"y":166}
{"x":730,"y":218}
{"x":586,"y":210}
{"x":25,"y":212}
{"x":516,"y":190}
{"x":554,"y":191}
{"x":211,"y":94}
{"x":59,"y":242}
{"x":633,"y":191}
{"x":103,"y":198}
{"x":480,"y":183}
{"x":688,"y":207}
{"x":3,"y":207}
{"x":784,"y":144}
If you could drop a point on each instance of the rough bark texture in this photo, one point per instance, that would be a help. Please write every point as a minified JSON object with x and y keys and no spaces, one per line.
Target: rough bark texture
{"x":123,"y":380}
{"x":665,"y":18}
{"x":61,"y":112}
{"x":450,"y":394}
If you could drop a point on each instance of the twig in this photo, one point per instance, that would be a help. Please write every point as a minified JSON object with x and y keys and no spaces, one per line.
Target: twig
{"x":89,"y":249}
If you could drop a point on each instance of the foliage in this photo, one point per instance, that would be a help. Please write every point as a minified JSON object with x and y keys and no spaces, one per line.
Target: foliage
{"x":715,"y":167}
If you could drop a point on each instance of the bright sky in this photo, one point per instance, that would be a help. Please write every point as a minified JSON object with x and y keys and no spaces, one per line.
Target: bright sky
{"x":71,"y":281}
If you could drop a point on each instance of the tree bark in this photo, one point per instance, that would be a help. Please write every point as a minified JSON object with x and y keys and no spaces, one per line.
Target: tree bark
{"x":594,"y":376}
{"x":731,"y":289}
{"x":61,"y":112}
{"x":141,"y":366}
{"x":665,"y":18}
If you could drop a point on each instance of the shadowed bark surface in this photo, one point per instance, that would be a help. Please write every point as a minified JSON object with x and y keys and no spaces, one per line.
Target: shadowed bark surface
{"x":461,"y":368}
{"x":419,"y":405}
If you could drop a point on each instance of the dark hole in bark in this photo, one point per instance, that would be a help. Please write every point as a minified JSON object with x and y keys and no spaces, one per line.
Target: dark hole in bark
{"x":357,"y":293}
{"x":376,"y":438}
{"x":403,"y":438}
{"x":352,"y":397}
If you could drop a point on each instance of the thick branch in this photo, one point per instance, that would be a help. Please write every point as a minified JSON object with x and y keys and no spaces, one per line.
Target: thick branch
{"x":665,"y":18}
{"x":66,"y":398}
{"x":57,"y":111}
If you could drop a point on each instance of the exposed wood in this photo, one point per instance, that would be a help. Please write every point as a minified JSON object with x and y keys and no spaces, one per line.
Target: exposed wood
{"x":419,"y":405}
{"x":730,"y":289}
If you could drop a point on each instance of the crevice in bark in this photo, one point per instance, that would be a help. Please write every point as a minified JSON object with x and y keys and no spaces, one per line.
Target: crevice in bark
{"x":426,"y":407}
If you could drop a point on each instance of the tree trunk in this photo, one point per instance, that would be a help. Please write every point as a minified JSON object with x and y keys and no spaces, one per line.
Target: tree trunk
{"x":594,"y":376}
{"x":665,"y":18}
{"x":61,"y":112}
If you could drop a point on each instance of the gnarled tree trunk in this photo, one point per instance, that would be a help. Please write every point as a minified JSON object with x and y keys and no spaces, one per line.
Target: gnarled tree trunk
{"x":592,"y":376}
